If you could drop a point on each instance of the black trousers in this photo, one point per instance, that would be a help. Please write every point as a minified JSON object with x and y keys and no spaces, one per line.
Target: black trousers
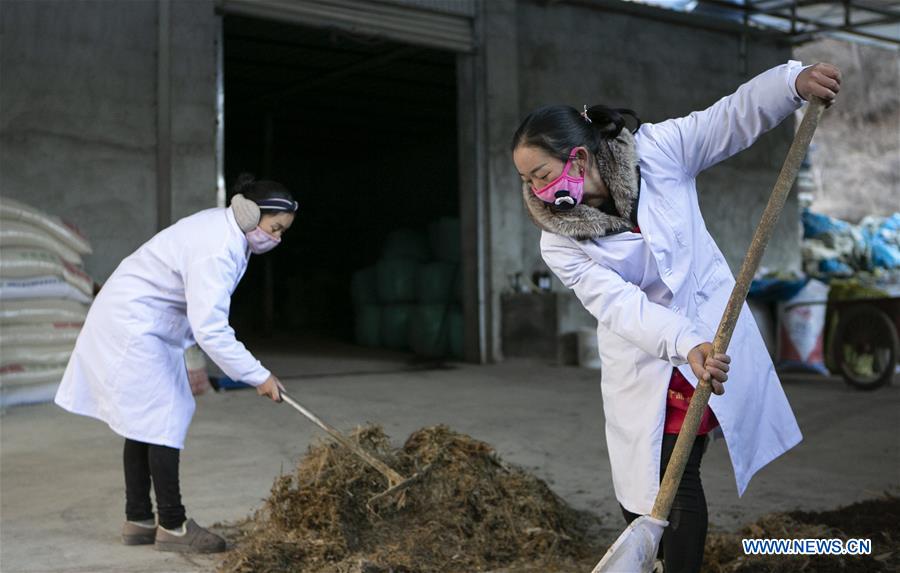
{"x":146,"y":464}
{"x":684,"y":539}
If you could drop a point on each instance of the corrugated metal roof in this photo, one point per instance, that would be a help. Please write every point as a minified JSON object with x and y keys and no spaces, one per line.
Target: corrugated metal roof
{"x":458,"y":7}
{"x":443,"y":24}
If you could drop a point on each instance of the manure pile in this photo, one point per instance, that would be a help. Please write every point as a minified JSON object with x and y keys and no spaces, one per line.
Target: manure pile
{"x":875,"y":519}
{"x":469,"y":512}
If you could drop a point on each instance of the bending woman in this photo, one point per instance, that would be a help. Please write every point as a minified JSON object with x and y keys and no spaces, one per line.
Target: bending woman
{"x":621,"y":227}
{"x":128,"y":367}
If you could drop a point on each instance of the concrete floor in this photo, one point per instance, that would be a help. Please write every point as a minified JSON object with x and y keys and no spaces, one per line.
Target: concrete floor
{"x":62,"y":497}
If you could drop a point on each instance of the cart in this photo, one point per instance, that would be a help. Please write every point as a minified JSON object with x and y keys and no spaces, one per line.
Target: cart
{"x":863,"y":343}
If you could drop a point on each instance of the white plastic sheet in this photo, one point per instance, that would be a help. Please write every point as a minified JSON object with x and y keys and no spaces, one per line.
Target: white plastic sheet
{"x":41,"y":311}
{"x":13,"y":210}
{"x":55,"y":334}
{"x":41,"y":287}
{"x":20,"y":263}
{"x":18,"y":234}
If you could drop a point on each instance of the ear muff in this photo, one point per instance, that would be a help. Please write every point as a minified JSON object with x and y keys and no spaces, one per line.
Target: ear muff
{"x":246,"y":212}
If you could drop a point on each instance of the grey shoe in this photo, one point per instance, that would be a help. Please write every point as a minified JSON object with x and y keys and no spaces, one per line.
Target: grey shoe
{"x":194,"y":540}
{"x":137,"y":534}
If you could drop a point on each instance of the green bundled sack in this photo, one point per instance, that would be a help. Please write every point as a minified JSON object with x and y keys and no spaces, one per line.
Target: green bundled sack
{"x":396,"y":280}
{"x":436,"y":282}
{"x":364,"y":286}
{"x":428,"y":330}
{"x":368,"y":325}
{"x":395,"y":320}
{"x":406,"y":244}
{"x":444,"y":236}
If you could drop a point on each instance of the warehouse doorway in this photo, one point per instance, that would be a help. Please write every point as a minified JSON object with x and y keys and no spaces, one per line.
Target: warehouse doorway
{"x":363,"y":130}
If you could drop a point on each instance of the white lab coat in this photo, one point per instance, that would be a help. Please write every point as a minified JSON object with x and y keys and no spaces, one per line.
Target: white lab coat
{"x":128,"y":368}
{"x":640,"y":338}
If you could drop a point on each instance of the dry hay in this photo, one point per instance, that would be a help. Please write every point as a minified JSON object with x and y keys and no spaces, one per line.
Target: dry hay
{"x":469,"y":512}
{"x":878,"y":520}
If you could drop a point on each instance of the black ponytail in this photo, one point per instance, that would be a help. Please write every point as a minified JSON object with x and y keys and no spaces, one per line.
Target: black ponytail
{"x":556,"y":129}
{"x":247,"y":185}
{"x":609,"y":122}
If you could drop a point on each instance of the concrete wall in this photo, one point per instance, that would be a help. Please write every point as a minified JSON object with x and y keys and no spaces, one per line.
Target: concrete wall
{"x":580,"y":53}
{"x":193,"y":93}
{"x":505,"y":219}
{"x":78,"y":115}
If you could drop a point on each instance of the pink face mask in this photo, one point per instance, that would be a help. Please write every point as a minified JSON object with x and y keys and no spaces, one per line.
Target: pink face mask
{"x":565,"y":191}
{"x":261,"y":241}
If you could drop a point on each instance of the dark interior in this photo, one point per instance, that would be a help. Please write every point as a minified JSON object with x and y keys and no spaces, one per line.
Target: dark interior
{"x":362,"y":131}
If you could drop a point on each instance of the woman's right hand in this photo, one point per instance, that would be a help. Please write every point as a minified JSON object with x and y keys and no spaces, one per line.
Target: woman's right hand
{"x":710,"y":367}
{"x":821,"y":80}
{"x":271,"y":387}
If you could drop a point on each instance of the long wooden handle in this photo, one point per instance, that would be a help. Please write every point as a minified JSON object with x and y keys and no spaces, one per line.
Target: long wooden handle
{"x":392,"y":476}
{"x":688,"y":433}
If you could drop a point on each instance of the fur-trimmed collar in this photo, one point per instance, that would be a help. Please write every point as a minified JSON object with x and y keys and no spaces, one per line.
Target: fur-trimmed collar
{"x":617,"y":163}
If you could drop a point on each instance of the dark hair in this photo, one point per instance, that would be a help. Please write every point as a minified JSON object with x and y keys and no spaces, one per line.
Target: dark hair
{"x":556,"y":129}
{"x":247,"y":185}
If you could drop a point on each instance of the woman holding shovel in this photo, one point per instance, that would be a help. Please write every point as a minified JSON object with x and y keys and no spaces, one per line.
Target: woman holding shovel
{"x":621,"y":227}
{"x":128,"y":367}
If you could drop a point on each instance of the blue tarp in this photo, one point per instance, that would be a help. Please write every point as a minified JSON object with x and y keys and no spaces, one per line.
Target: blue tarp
{"x":836,"y":248}
{"x":774,"y":289}
{"x":816,"y":224}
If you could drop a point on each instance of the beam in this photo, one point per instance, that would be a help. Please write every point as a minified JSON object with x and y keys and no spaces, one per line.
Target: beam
{"x":876,"y":8}
{"x":163,"y":116}
{"x":818,"y":25}
{"x":879,"y":21}
{"x":788,"y":4}
{"x":221,"y":192}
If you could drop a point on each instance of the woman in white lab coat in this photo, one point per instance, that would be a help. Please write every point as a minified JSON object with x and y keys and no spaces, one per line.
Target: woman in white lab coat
{"x":621,"y":227}
{"x":128,"y":368}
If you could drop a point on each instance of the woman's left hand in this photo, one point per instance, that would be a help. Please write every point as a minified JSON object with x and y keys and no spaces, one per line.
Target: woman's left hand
{"x":271,"y":388}
{"x":709,"y":367}
{"x":821,"y":80}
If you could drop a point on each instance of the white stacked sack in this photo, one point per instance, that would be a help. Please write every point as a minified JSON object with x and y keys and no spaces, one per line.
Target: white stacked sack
{"x":44,"y":298}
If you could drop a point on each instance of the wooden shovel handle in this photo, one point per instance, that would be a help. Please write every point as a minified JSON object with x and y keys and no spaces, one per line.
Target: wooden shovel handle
{"x":392,"y":476}
{"x":688,"y":433}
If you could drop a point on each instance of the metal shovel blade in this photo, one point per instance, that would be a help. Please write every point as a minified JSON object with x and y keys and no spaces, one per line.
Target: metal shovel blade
{"x":635,"y":550}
